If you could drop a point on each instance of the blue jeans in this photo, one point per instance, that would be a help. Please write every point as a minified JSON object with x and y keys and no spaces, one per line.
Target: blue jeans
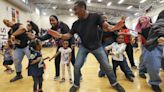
{"x":124,"y":67}
{"x":106,"y":43}
{"x":102,"y":59}
{"x":18,"y":57}
{"x":152,"y":61}
{"x":142,"y":67}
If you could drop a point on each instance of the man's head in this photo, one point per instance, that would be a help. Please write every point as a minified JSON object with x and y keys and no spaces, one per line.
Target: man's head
{"x":8,"y":23}
{"x":80,"y":8}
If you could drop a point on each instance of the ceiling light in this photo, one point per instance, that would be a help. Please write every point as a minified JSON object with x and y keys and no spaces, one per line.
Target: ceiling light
{"x":162,"y":1}
{"x":44,"y":13}
{"x":129,"y":7}
{"x":88,"y":1}
{"x":70,"y":10}
{"x":142,"y":1}
{"x":136,"y":14}
{"x":54,"y":7}
{"x":109,"y":3}
{"x":121,"y":1}
{"x":100,"y":0}
{"x":68,"y":0}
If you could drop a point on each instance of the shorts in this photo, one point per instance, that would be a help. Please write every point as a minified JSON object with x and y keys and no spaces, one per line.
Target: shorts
{"x":8,"y":62}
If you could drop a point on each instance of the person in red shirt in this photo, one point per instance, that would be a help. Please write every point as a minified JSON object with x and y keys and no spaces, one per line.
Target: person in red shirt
{"x":129,"y":48}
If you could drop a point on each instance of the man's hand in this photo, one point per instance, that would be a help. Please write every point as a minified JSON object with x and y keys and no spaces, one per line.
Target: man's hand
{"x":55,"y":34}
{"x":161,"y":40}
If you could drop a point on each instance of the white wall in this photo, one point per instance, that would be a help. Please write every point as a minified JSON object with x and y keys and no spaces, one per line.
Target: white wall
{"x":153,"y":14}
{"x":44,"y":21}
{"x":5,"y":12}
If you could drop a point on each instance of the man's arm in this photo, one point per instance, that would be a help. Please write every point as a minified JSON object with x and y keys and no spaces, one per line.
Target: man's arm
{"x":19,"y":31}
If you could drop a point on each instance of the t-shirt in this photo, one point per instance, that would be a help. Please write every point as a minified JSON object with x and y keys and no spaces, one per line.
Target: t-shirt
{"x":65,"y":54}
{"x":89,"y":31}
{"x":37,"y":68}
{"x":127,"y":37}
{"x":144,"y":34}
{"x":23,"y":38}
{"x":118,"y":50}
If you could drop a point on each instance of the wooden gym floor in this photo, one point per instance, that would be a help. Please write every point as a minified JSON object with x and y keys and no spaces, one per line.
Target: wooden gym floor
{"x":90,"y":83}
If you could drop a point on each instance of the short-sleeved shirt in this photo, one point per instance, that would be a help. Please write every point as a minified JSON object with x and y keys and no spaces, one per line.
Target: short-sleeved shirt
{"x":118,"y":50}
{"x":127,"y":37}
{"x":65,"y":54}
{"x":37,"y":68}
{"x":144,"y":34}
{"x":89,"y":30}
{"x":23,"y":38}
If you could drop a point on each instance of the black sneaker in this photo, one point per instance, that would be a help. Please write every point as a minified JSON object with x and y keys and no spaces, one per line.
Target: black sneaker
{"x":130,"y":79}
{"x":156,"y":88}
{"x":17,"y":77}
{"x":132,"y":75}
{"x":119,"y":88}
{"x":73,"y":89}
{"x":142,"y":76}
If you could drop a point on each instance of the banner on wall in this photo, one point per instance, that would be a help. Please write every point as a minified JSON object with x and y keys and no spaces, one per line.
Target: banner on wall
{"x":15,"y":15}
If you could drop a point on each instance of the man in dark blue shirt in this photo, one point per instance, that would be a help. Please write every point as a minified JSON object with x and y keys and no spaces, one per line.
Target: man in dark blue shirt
{"x":88,"y":28}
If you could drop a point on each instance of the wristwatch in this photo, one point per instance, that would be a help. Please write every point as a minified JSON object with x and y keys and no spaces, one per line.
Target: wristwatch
{"x":60,"y":35}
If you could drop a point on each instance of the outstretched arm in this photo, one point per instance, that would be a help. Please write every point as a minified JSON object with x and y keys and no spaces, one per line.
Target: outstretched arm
{"x":54,"y":56}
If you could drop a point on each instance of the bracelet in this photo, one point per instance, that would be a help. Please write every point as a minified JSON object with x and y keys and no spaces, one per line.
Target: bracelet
{"x":60,"y":35}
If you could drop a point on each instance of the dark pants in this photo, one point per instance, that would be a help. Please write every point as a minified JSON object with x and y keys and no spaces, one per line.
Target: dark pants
{"x":162,"y":63}
{"x":129,"y":52}
{"x":57,"y":61}
{"x":124,"y":67}
{"x":37,"y":81}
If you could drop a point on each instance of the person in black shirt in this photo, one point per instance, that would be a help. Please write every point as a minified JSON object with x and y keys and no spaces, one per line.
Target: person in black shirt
{"x":18,"y":36}
{"x":32,"y":27}
{"x":107,"y":39}
{"x":61,"y":28}
{"x":88,"y":28}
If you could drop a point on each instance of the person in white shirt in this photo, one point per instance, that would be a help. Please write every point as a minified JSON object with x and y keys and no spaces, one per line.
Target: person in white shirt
{"x":118,"y":59}
{"x":65,"y":52}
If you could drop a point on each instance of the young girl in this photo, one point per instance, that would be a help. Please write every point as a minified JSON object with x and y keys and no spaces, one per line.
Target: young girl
{"x":65,"y":52}
{"x":8,"y":58}
{"x":118,"y":58}
{"x":36,"y":64}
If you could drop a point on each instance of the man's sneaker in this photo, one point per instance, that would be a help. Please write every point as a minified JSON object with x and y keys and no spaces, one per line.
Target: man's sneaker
{"x":156,"y":88}
{"x":56,"y":78}
{"x":132,"y":75}
{"x":119,"y":88}
{"x":134,"y":67}
{"x":17,"y":77}
{"x":142,"y":76}
{"x":62,"y":80}
{"x":101,"y":74}
{"x":73,"y":89}
{"x":130,"y":79}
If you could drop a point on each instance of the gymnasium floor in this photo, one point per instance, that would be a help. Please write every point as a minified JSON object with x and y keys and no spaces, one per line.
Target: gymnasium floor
{"x":90,"y":83}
